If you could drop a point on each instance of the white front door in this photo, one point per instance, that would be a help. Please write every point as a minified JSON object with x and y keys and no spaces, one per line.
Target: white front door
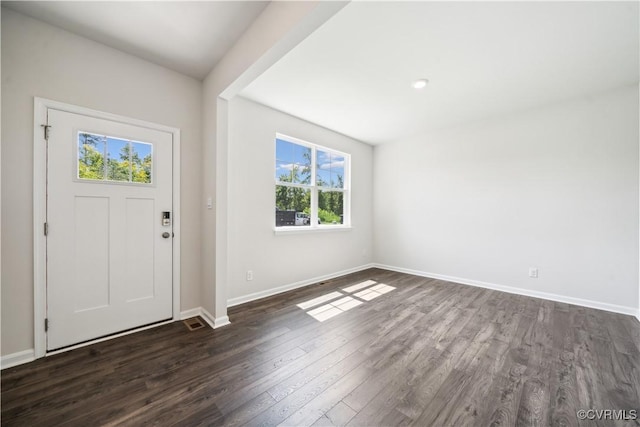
{"x":110,"y":233}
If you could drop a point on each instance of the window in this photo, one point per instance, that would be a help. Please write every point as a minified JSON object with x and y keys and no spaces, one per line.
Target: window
{"x":312,"y":185}
{"x":106,"y":158}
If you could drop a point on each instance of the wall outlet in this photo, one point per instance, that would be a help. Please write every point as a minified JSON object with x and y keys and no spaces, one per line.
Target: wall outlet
{"x":249,"y":274}
{"x":533,"y":272}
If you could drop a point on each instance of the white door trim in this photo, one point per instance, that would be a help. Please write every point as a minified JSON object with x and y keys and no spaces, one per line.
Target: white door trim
{"x":40,"y":107}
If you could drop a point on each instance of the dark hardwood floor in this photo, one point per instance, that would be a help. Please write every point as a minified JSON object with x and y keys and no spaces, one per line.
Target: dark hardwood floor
{"x":428,"y":353}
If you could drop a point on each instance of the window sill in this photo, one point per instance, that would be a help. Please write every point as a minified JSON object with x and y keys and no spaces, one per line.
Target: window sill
{"x":307,"y":230}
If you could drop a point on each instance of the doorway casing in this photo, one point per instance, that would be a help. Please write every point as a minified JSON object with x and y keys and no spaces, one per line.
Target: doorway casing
{"x":41,"y":106}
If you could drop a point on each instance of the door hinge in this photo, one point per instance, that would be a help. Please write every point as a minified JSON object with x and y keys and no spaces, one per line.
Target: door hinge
{"x":46,"y":325}
{"x":46,"y":228}
{"x":47,"y":129}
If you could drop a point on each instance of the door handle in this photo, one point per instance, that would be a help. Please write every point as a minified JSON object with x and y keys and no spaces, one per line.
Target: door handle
{"x":166,"y":234}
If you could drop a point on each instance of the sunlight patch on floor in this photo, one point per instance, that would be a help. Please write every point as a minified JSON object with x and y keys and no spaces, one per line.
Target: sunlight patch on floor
{"x":319,"y":300}
{"x":359,"y":286}
{"x":382,"y":288}
{"x":327,"y":311}
{"x":374,"y":292}
{"x":333,"y":308}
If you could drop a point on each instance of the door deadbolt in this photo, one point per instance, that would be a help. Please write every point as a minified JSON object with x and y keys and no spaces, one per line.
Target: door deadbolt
{"x":166,"y":218}
{"x":166,"y":234}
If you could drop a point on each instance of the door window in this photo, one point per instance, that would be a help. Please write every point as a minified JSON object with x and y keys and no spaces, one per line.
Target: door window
{"x":107,"y":158}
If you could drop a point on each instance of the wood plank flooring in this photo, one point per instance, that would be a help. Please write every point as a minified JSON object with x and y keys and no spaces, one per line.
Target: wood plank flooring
{"x":428,"y":353}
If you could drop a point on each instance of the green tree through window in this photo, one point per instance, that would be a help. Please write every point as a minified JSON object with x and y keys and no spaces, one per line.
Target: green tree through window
{"x":300,"y":180}
{"x":105,"y":158}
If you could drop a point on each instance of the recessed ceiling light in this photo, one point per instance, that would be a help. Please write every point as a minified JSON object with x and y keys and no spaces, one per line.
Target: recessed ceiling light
{"x":419,"y":84}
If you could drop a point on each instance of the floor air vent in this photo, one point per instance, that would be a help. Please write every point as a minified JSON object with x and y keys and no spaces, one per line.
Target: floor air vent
{"x":194,"y":324}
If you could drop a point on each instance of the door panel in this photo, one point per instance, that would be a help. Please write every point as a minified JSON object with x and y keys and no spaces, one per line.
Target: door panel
{"x":139,"y":252}
{"x":91,"y":252}
{"x":109,"y":268}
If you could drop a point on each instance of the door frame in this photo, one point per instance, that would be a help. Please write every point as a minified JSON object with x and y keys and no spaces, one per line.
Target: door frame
{"x":40,"y":107}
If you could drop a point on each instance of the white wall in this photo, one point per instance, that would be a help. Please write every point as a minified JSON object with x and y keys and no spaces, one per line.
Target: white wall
{"x":41,"y":60}
{"x":278,"y":260}
{"x":555,"y":188}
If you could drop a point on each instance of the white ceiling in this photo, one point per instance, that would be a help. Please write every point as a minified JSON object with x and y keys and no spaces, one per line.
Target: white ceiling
{"x":186,"y":36}
{"x":354,"y":74}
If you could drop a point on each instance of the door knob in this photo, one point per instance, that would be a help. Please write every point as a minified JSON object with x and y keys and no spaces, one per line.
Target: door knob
{"x":166,"y":234}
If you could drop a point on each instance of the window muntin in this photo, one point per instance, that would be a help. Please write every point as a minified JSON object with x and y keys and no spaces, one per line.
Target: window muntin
{"x":312,"y":184}
{"x":111,"y":159}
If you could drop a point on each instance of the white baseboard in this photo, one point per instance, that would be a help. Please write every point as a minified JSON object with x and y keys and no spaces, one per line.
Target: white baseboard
{"x":208,"y":317}
{"x":519,"y":291}
{"x":274,"y":291}
{"x":221,"y":321}
{"x":15,"y":359}
{"x":188,"y":314}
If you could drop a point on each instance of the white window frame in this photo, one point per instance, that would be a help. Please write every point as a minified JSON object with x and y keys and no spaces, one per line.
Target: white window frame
{"x":313,"y":188}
